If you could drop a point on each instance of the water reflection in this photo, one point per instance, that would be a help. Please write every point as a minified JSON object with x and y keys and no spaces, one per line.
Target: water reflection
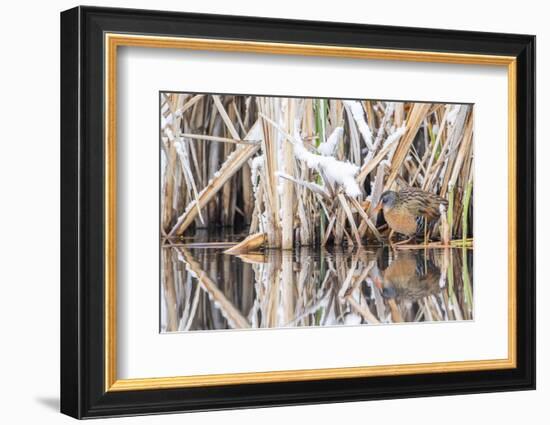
{"x":205,"y":289}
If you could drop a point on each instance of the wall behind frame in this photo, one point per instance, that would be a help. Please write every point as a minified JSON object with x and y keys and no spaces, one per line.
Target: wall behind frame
{"x":29,"y":219}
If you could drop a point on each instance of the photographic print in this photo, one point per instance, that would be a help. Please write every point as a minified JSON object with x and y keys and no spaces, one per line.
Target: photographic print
{"x":283,"y":212}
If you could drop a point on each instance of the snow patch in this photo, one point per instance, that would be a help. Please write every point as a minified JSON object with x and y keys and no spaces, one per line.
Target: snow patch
{"x":340,"y":172}
{"x":451,"y":115}
{"x":395,"y":135}
{"x":329,"y":147}
{"x":359,"y":117}
{"x":257,"y":164}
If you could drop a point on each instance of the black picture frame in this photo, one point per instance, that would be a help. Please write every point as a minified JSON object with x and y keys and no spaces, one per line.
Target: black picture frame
{"x":83,"y":392}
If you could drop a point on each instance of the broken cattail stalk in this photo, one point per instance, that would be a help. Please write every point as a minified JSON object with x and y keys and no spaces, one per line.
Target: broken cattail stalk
{"x":287,"y":202}
{"x":219,"y":139}
{"x":251,"y":243}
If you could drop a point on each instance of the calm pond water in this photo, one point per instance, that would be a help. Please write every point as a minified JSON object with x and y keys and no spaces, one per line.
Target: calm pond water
{"x":205,"y":289}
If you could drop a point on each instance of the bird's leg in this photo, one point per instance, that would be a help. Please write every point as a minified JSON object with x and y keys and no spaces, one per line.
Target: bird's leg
{"x":389,"y":237}
{"x":404,"y":242}
{"x":425,"y":230}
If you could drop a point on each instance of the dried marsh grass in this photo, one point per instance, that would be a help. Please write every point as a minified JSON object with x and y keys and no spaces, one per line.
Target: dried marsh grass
{"x":307,"y":172}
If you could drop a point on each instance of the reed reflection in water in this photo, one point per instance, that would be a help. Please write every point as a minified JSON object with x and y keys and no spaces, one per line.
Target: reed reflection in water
{"x":205,"y":289}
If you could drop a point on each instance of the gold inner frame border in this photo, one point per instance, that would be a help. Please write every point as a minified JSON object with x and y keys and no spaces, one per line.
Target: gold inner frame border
{"x":113,"y":40}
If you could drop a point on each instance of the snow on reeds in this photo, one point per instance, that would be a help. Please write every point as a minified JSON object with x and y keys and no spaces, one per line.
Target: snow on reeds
{"x":335,"y":172}
{"x":308,"y":171}
{"x":328,"y":147}
{"x":356,"y":110}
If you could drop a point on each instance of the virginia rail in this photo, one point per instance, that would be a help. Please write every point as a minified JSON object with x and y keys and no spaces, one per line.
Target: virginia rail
{"x":407,"y":210}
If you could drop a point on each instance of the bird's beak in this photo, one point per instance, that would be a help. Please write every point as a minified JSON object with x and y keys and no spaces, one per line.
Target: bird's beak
{"x":378,"y":208}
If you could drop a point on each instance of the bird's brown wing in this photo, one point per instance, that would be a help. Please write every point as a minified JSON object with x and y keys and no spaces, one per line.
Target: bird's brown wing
{"x":422,"y":203}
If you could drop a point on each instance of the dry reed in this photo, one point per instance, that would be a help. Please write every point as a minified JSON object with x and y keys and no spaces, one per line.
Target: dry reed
{"x":307,"y":171}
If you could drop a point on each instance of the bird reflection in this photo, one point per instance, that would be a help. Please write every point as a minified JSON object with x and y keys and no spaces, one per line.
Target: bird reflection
{"x":411,"y":276}
{"x":408,"y":279}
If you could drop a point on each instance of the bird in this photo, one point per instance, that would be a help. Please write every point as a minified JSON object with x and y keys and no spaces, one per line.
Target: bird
{"x":406,"y":211}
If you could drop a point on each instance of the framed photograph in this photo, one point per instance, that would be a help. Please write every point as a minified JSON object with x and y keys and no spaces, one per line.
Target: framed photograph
{"x":261,"y":212}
